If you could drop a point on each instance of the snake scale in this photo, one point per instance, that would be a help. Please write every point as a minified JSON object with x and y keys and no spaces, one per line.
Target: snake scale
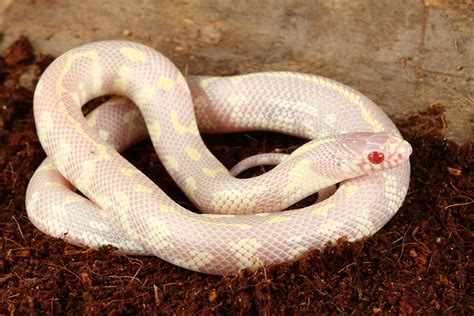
{"x":242,"y":224}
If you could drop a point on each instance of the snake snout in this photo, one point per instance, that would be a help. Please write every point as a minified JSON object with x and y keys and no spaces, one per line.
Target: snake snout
{"x":385,"y":151}
{"x":402,"y":152}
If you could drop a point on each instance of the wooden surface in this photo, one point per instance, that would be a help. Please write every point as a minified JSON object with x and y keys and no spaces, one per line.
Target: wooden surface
{"x":406,"y":55}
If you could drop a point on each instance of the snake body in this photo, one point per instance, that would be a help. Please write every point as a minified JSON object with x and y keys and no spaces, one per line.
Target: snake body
{"x":242,"y":226}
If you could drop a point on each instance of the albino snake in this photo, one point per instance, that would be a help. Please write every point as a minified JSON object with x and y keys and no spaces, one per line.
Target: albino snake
{"x":352,"y":143}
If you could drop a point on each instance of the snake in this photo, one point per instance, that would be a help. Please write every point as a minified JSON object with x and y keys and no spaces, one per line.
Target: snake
{"x":87,"y":193}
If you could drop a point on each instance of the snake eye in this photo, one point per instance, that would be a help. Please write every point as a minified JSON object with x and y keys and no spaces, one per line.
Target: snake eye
{"x":376,"y":157}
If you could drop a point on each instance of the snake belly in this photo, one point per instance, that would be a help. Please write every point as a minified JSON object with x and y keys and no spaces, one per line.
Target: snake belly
{"x":126,"y":209}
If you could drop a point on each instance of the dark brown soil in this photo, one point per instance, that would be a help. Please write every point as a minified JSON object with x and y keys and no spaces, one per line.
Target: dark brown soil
{"x":419,"y":263}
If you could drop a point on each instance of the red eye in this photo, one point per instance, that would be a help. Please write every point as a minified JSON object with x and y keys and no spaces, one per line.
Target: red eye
{"x":375,"y":157}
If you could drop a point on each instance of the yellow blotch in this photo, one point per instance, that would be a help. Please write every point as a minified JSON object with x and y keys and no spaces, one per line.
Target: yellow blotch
{"x":145,"y":95}
{"x":47,"y":167}
{"x":159,"y":233}
{"x":89,"y":167}
{"x":198,"y":261}
{"x":392,"y":145}
{"x":167,"y":209}
{"x":322,"y":210}
{"x":104,"y":202}
{"x":299,"y":175}
{"x":130,"y":116}
{"x":193,"y":153}
{"x":181,"y":129}
{"x":237,"y":79}
{"x":245,"y":251}
{"x":123,"y":208}
{"x":298,"y":252}
{"x":206,"y":81}
{"x":73,"y":198}
{"x":211,"y":172}
{"x":329,"y":228}
{"x":52,"y":184}
{"x":366,"y":226}
{"x":330,"y":119}
{"x":190,"y":187}
{"x":59,"y":209}
{"x":88,"y":171}
{"x":92,"y":118}
{"x":103,"y":153}
{"x":165,"y":83}
{"x":300,"y":247}
{"x":133,"y":54}
{"x":142,"y":188}
{"x":61,"y":106}
{"x":123,"y":200}
{"x":237,"y":99}
{"x":103,"y":134}
{"x":279,"y":219}
{"x":125,"y":72}
{"x":155,"y":130}
{"x":201,"y":109}
{"x":220,"y":199}
{"x":76,"y":98}
{"x":351,"y":190}
{"x":171,"y":162}
{"x":128,"y":171}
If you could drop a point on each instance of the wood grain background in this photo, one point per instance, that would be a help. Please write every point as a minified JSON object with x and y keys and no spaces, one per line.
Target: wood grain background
{"x":406,"y":55}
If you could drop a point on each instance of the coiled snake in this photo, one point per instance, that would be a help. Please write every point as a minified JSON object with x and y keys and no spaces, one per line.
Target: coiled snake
{"x":352,"y":142}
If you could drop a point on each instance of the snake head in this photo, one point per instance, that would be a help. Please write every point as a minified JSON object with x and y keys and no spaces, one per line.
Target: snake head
{"x":351,"y":155}
{"x":373,"y":152}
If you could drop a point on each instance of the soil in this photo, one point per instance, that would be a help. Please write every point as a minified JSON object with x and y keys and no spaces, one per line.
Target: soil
{"x":418,"y":263}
